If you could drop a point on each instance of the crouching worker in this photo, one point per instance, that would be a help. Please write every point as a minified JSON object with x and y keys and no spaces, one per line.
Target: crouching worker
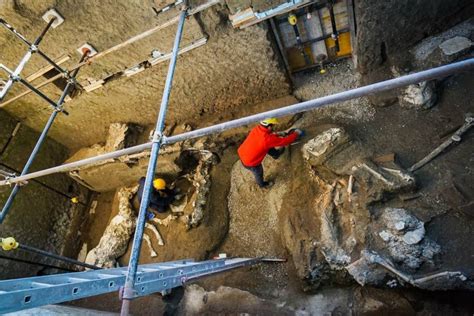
{"x":160,"y":197}
{"x":262,"y":141}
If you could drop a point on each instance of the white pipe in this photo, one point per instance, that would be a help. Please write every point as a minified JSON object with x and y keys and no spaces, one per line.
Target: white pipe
{"x":395,"y":83}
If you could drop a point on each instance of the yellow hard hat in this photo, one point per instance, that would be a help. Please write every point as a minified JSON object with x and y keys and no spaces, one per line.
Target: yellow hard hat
{"x":8,"y":243}
{"x":292,"y":19}
{"x":75,"y":200}
{"x":159,"y":184}
{"x":269,"y":121}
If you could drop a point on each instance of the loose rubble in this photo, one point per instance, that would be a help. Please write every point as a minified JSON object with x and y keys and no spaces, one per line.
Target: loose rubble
{"x":333,"y":246}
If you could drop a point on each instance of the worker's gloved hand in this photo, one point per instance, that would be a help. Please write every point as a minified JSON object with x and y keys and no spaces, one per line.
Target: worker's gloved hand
{"x":149,"y":215}
{"x":300,"y":133}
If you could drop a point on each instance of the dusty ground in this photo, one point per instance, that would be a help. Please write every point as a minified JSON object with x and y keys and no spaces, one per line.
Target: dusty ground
{"x":235,"y":70}
{"x":252,"y":228}
{"x":338,"y":78}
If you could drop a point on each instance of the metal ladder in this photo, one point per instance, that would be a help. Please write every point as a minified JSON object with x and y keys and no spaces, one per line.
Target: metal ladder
{"x":25,"y":293}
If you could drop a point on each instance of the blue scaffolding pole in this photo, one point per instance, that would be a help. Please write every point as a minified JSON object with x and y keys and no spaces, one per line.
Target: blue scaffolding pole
{"x":32,"y":48}
{"x":58,"y":107}
{"x":129,"y":291}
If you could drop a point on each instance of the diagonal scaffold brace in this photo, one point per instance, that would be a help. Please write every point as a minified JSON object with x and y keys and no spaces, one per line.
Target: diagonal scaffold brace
{"x":58,"y":107}
{"x":14,"y":75}
{"x":128,"y":292}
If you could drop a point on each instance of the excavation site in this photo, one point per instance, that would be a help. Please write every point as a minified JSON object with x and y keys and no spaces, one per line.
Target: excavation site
{"x":236,"y":157}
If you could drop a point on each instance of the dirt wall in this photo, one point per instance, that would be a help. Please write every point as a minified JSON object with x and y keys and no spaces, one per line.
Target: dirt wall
{"x":234,"y":70}
{"x":386,"y":30}
{"x":42,"y":213}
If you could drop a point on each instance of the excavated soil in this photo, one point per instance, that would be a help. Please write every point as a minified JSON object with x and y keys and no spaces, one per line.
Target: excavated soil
{"x":247,"y":224}
{"x":235,"y":70}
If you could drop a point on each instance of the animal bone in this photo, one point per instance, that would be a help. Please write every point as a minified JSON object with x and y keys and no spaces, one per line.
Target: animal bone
{"x":148,"y":241}
{"x":373,"y":257}
{"x":455,"y":138}
{"x":165,"y":222}
{"x":376,"y":174}
{"x":400,"y":174}
{"x":201,"y":180}
{"x":156,"y":232}
{"x":349,"y":187}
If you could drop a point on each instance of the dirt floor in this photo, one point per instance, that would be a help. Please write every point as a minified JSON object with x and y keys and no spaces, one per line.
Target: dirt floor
{"x":243,"y":222}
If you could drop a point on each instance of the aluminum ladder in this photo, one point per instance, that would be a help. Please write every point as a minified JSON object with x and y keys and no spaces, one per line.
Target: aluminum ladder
{"x":25,"y":293}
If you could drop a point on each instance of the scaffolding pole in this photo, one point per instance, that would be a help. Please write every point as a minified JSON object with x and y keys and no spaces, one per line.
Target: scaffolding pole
{"x":128,"y":291}
{"x":33,"y":48}
{"x":430,"y":74}
{"x":57,"y":257}
{"x":41,"y":139}
{"x":112,"y":49}
{"x":36,"y":43}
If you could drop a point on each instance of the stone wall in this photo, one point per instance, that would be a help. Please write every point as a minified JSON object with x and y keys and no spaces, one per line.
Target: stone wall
{"x":42,"y":212}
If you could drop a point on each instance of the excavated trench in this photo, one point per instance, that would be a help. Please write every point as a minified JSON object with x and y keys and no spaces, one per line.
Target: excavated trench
{"x":361,"y":233}
{"x":307,"y":218}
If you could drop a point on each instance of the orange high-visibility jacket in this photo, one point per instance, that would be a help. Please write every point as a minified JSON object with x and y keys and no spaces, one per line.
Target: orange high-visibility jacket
{"x":258,"y":143}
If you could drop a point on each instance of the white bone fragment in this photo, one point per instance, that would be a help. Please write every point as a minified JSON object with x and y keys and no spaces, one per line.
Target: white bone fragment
{"x":148,"y":241}
{"x":156,"y":232}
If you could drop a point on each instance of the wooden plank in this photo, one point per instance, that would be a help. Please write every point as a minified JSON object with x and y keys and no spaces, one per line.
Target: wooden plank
{"x":242,"y":17}
{"x":297,"y":6}
{"x":385,"y":158}
{"x":47,"y":68}
{"x":95,"y":84}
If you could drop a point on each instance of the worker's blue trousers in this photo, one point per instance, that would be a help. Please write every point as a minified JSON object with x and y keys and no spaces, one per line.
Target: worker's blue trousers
{"x":258,"y":170}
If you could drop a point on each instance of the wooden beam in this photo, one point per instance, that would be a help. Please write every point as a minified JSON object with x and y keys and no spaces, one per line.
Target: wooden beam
{"x":140,"y":36}
{"x":47,"y":68}
{"x":95,"y":84}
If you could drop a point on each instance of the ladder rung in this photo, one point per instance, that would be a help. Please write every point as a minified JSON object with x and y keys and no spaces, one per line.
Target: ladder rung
{"x":31,"y":292}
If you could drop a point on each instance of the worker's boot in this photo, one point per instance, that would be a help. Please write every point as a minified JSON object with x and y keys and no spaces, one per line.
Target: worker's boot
{"x":267,"y":184}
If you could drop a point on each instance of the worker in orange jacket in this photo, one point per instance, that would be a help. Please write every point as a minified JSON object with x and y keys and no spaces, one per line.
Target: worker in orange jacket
{"x":260,"y":142}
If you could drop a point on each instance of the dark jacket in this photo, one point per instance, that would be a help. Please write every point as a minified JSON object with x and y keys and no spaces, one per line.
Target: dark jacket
{"x":159,"y":200}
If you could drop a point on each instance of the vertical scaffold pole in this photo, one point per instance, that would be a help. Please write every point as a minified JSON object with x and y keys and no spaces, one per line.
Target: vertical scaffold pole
{"x":41,"y":139}
{"x":32,"y":49}
{"x":127,"y":292}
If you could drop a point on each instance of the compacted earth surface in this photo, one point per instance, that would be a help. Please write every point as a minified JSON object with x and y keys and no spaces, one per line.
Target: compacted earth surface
{"x":243,"y":220}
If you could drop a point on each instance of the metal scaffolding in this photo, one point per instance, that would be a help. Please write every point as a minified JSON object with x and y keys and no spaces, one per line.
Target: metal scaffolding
{"x":87,"y":58}
{"x":129,"y":290}
{"x":115,"y":48}
{"x":57,"y":107}
{"x":14,"y":76}
{"x":430,"y":74}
